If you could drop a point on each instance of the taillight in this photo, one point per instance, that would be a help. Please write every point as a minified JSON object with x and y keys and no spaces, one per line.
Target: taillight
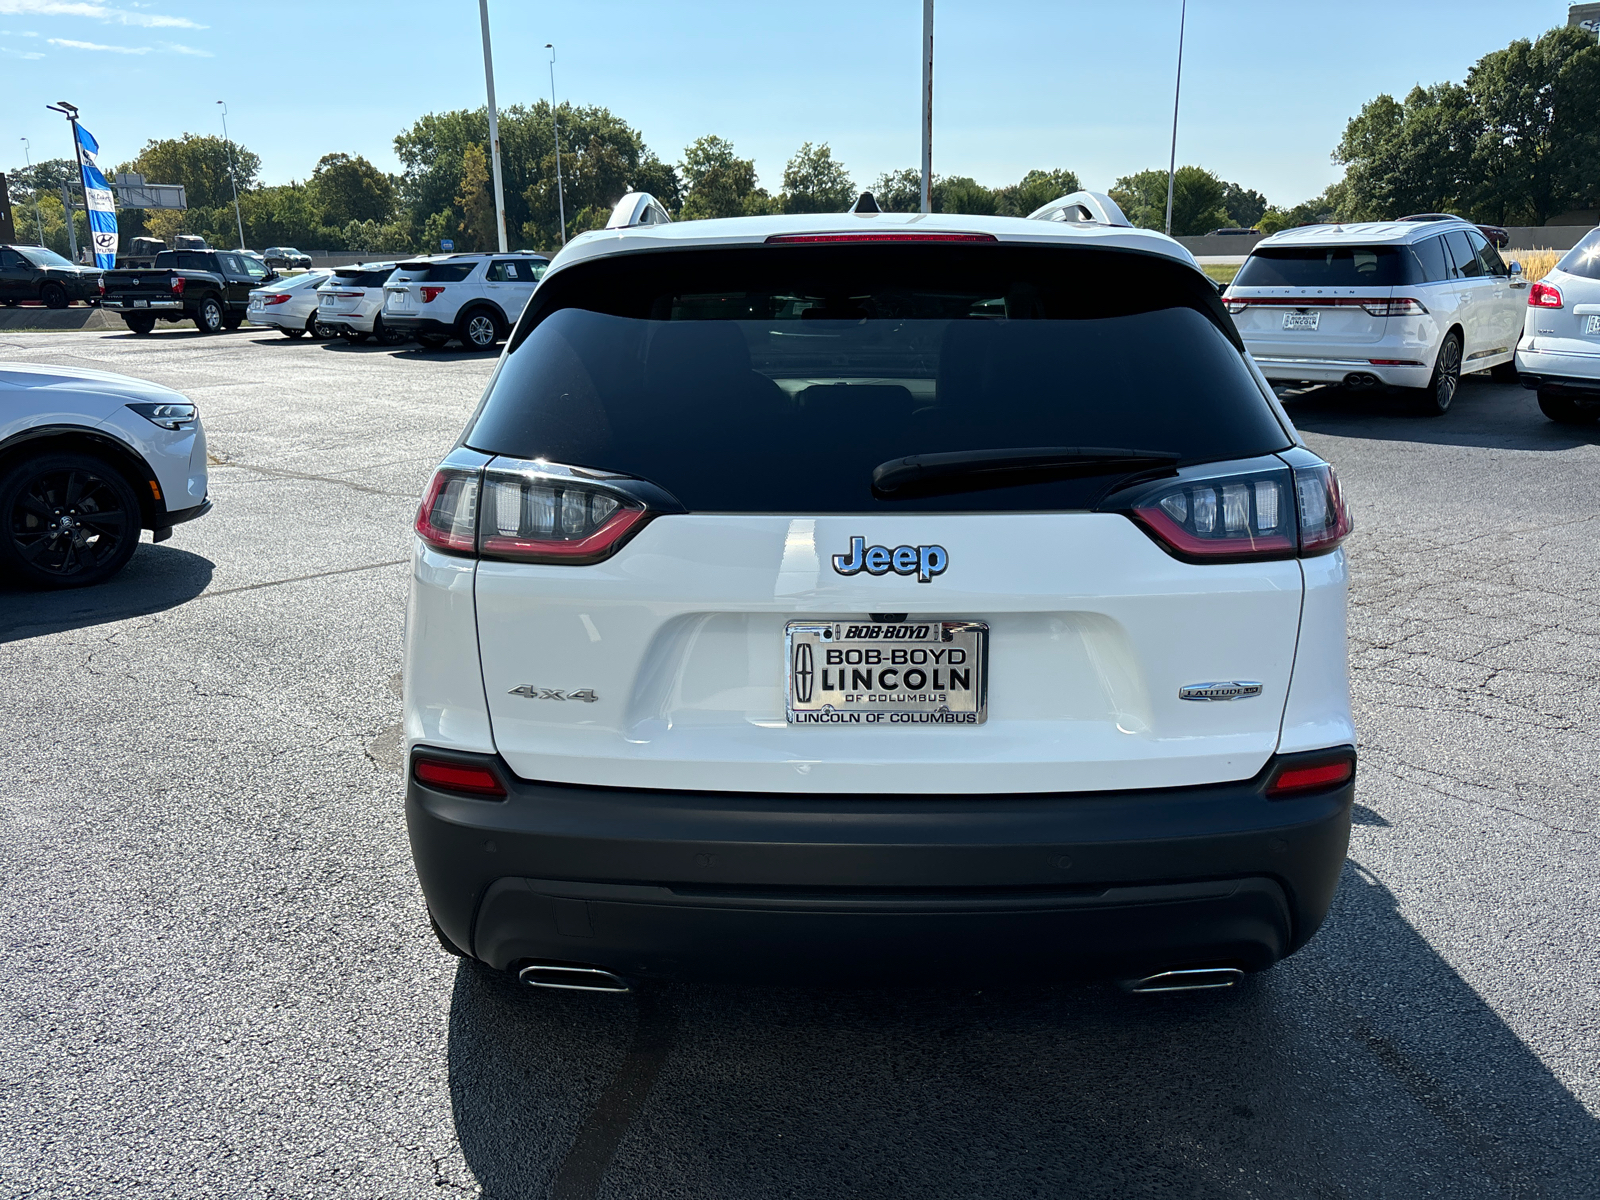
{"x":430,"y":293}
{"x":448,"y":518}
{"x":1295,"y":778}
{"x":533,"y":516}
{"x":177,"y":285}
{"x":279,"y":298}
{"x":1259,"y":515}
{"x":1544,"y":295}
{"x":457,"y":777}
{"x":1400,"y":306}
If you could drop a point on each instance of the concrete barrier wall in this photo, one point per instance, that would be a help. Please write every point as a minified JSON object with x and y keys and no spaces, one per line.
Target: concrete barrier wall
{"x":1523,"y":237}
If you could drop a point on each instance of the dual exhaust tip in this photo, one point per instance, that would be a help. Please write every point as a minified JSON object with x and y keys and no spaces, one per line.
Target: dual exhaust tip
{"x":1362,"y":379}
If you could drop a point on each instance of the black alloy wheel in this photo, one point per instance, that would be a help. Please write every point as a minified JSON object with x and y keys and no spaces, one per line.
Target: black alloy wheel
{"x":208,"y":319}
{"x":71,"y":520}
{"x":53,"y":295}
{"x":1435,"y":399}
{"x":479,"y":330}
{"x":1564,"y":410}
{"x":140,"y":325}
{"x":318,"y":330}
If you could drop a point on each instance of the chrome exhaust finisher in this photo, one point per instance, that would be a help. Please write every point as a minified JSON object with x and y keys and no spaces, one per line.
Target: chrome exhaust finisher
{"x":572,"y":978}
{"x":1361,"y":379}
{"x":1193,"y":979}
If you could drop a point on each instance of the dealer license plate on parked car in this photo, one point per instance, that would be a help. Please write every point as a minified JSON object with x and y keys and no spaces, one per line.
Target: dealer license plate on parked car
{"x":912,"y":673}
{"x":1593,"y":325}
{"x":1298,"y":320}
{"x":141,"y":304}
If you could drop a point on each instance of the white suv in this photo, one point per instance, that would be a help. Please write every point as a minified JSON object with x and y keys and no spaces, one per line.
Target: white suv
{"x":350,"y":301}
{"x":860,"y":595}
{"x":475,"y":298}
{"x":1559,"y":354}
{"x":1412,"y":305}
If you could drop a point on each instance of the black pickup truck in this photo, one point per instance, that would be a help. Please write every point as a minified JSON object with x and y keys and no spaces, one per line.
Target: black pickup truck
{"x":209,"y":287}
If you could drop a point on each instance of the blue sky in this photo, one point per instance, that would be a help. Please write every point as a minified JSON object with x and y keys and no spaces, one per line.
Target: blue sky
{"x":1088,"y":85}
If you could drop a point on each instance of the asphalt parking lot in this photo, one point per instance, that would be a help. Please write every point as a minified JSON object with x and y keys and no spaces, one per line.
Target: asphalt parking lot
{"x":218,"y":979}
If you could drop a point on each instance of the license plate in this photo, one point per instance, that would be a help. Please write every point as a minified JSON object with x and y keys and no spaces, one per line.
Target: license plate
{"x":1297,"y":320}
{"x":399,"y":299}
{"x":1593,"y":325}
{"x":141,"y":304}
{"x":255,"y":306}
{"x":917,"y":673}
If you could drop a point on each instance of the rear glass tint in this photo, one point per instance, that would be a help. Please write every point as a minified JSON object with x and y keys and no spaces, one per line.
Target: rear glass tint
{"x":444,"y":272}
{"x":362,"y":279}
{"x":1583,"y":259}
{"x":776,"y":379}
{"x":1328,"y":266}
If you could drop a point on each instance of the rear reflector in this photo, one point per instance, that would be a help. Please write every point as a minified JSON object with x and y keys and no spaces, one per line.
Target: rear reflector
{"x":797,"y":239}
{"x":1293,"y":779}
{"x":457,"y":777}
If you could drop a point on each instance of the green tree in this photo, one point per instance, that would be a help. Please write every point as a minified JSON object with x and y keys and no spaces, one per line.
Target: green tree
{"x":899,"y":191}
{"x":475,"y":202}
{"x":717,"y":182}
{"x":1196,"y":200}
{"x":814,"y":181}
{"x":961,"y":194}
{"x":1036,"y":189}
{"x":1409,"y":156}
{"x":200,"y":164}
{"x":352,"y":189}
{"x":45,"y":177}
{"x":1319,"y":210}
{"x":1244,"y":206}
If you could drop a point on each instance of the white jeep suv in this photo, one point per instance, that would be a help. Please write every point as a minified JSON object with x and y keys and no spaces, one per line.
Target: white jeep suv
{"x":1410,"y":304}
{"x":861,"y":596}
{"x":475,"y":298}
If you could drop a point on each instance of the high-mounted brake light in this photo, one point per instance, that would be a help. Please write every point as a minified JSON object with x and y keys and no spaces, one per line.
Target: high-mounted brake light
{"x":458,"y":777}
{"x":1294,"y":779}
{"x":1544,"y":295}
{"x":177,"y":285}
{"x":1255,"y":515}
{"x":798,"y":239}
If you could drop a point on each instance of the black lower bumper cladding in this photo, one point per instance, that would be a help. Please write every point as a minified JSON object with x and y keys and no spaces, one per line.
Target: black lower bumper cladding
{"x":853,"y":888}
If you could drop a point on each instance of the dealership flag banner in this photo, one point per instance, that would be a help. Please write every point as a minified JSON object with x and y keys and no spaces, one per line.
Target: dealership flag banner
{"x":102,"y":208}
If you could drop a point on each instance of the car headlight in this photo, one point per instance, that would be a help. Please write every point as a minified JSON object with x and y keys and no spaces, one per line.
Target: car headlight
{"x":168,"y":416}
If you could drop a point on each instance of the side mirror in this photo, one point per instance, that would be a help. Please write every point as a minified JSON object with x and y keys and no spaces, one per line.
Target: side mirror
{"x":1516,"y":267}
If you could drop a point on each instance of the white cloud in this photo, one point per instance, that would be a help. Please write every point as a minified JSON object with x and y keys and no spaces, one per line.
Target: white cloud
{"x":70,"y":44}
{"x":10,"y":53}
{"x":175,"y":48}
{"x":98,"y":12}
{"x":15,"y":33}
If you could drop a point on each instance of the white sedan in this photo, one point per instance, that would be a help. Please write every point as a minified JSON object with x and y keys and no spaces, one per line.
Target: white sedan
{"x":87,"y":460}
{"x":290,"y":306}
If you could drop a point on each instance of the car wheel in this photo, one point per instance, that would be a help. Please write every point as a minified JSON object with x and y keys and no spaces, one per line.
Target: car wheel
{"x":70,"y":520}
{"x":140,"y":325}
{"x":387,"y":336}
{"x":1567,"y":411}
{"x":432,"y":341}
{"x":208,"y":319}
{"x":478,"y":330}
{"x":53,"y":295}
{"x":1435,"y":399}
{"x":318,"y":330}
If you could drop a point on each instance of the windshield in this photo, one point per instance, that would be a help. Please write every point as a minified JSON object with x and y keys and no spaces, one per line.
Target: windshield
{"x":1584,"y":258}
{"x":777,"y":380}
{"x":39,"y":256}
{"x":1327,"y":266}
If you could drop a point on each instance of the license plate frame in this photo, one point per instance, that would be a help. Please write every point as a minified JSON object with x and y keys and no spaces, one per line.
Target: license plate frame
{"x":951,"y":656}
{"x":141,"y":304}
{"x":1592,"y":324}
{"x":1302,"y":322}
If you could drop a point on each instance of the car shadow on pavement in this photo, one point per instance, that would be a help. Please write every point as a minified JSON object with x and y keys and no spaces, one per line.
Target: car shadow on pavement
{"x":1502,"y":416}
{"x":156,"y":578}
{"x":1365,"y":1066}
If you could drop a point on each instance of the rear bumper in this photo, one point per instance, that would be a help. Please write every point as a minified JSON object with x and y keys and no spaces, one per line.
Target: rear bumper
{"x":1558,"y":371}
{"x":782,"y":886}
{"x":415,"y":324}
{"x":1280,"y":369}
{"x":165,"y":307}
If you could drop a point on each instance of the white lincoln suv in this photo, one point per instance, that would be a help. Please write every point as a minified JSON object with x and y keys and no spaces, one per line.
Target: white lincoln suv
{"x":861,"y":596}
{"x":1413,"y":305}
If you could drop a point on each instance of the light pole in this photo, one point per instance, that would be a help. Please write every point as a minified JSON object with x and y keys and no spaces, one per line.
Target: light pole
{"x":494,"y":128}
{"x":555,"y":132}
{"x":27,"y":154}
{"x":70,"y":111}
{"x":927,"y":106}
{"x":1177,"y":90}
{"x":231,"y":178}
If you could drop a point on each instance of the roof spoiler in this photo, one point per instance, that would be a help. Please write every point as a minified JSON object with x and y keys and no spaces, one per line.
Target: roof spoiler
{"x":638,"y":208}
{"x":1094,"y":208}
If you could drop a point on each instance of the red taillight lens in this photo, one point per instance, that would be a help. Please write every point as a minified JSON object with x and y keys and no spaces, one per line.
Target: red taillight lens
{"x":1544,"y":295}
{"x":177,"y":285}
{"x":1313,"y":777}
{"x":448,"y":518}
{"x":1400,"y":306}
{"x":429,"y":294}
{"x":1247,"y":516}
{"x":803,"y":239}
{"x":279,"y":298}
{"x":1325,"y":519}
{"x":533,"y":516}
{"x":458,"y":777}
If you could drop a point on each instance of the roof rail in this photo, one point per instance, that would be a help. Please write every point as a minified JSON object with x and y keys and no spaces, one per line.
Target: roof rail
{"x":1095,"y":208}
{"x":638,"y":208}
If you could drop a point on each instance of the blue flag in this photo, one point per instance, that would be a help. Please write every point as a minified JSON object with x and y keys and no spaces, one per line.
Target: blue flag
{"x":102,"y":206}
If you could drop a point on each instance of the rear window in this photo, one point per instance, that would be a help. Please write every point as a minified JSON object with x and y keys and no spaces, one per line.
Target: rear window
{"x":362,"y":279}
{"x":444,"y":272}
{"x":1584,"y":258}
{"x":776,"y":379}
{"x":1329,"y":266}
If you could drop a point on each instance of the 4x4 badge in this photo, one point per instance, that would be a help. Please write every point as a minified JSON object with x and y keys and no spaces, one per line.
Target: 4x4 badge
{"x":538,"y":693}
{"x":922,"y":561}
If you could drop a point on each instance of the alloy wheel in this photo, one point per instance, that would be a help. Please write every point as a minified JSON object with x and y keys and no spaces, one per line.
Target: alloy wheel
{"x":68,"y":521}
{"x":481,"y":330}
{"x":1449,"y":370}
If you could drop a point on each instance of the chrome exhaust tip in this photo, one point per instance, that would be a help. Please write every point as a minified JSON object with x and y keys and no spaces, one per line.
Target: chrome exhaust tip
{"x":1193,"y":979}
{"x":1361,"y":379}
{"x":572,"y":978}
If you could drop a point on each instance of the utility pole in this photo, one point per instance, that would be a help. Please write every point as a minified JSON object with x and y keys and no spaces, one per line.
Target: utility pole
{"x":561,"y":199}
{"x":70,"y":111}
{"x":231,"y":178}
{"x":927,"y":106}
{"x":1177,"y":91}
{"x":494,"y":128}
{"x":27,"y":154}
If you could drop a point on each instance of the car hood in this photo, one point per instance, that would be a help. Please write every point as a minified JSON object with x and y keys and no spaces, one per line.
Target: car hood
{"x":40,"y":378}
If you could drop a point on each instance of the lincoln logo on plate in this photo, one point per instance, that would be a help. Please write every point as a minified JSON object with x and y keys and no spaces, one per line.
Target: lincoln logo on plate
{"x":803,"y":673}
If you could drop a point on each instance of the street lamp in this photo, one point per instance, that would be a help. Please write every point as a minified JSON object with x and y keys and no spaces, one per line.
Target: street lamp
{"x":231,"y":178}
{"x":70,"y":112}
{"x":494,"y":128}
{"x":27,"y":154}
{"x":1177,"y":90}
{"x":561,"y":199}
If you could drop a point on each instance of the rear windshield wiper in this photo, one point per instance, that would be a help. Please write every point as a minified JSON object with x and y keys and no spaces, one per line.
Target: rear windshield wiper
{"x":975,"y":470}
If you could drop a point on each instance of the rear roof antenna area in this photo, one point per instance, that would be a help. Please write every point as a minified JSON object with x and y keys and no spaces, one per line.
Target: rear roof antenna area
{"x":865,"y":203}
